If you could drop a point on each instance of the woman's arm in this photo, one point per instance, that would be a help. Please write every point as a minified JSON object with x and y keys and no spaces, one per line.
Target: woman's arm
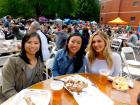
{"x":8,"y":78}
{"x":85,"y":66}
{"x":117,"y":65}
{"x":55,"y":66}
{"x":88,"y":68}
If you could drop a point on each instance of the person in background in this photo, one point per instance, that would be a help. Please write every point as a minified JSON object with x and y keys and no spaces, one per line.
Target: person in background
{"x":69,"y":31}
{"x":35,"y":27}
{"x":17,"y":33}
{"x":61,"y":37}
{"x":46,"y":29}
{"x":139,"y":28}
{"x":132,"y":40}
{"x":109,"y":32}
{"x":138,"y":99}
{"x":100,"y":56}
{"x":25,"y":69}
{"x":128,"y":28}
{"x":6,"y":21}
{"x":71,"y":59}
{"x":86,"y":36}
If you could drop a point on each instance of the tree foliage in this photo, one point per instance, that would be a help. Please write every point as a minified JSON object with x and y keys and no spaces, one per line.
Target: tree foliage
{"x":88,"y":9}
{"x":83,"y":9}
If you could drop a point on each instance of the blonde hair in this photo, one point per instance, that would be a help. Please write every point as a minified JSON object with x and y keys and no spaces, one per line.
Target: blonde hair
{"x":107,"y":53}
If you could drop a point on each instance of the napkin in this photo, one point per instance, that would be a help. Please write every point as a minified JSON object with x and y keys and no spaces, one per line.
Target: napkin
{"x":38,"y":97}
{"x":92,"y":96}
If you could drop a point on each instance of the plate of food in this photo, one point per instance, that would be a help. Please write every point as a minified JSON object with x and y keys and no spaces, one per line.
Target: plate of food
{"x":129,"y":80}
{"x":76,"y":83}
{"x":32,"y":97}
{"x":120,"y":83}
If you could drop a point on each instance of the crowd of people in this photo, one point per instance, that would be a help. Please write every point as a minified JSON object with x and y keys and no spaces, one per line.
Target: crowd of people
{"x":80,"y":48}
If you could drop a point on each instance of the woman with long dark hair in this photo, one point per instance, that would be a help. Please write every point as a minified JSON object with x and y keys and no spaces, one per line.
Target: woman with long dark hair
{"x":71,"y":59}
{"x":25,"y":69}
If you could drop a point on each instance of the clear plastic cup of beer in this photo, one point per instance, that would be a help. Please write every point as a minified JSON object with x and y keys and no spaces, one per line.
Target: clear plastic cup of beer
{"x":56,"y":87}
{"x":104,"y":76}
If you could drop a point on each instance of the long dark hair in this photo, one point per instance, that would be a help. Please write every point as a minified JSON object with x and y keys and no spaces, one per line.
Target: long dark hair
{"x":23,"y":52}
{"x":78,"y":59}
{"x":85,"y":32}
{"x":86,"y":36}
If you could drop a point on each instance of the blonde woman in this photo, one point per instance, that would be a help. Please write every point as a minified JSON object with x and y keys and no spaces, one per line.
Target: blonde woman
{"x":100,"y":56}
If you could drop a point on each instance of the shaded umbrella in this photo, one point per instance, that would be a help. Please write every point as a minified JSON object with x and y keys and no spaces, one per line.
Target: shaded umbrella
{"x":73,"y":22}
{"x":118,"y":20}
{"x":93,"y":22}
{"x":59,"y":21}
{"x":42,"y":19}
{"x":67,"y":21}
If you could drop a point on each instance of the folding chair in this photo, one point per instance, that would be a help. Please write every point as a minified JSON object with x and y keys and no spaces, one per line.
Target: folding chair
{"x":116,"y":44}
{"x":49,"y":65}
{"x":53,"y":49}
{"x":137,"y":49}
{"x":131,"y":67}
{"x":130,"y":61}
{"x":3,"y":59}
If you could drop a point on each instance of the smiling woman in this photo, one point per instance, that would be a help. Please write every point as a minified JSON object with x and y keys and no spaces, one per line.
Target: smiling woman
{"x":25,"y":69}
{"x":70,"y":59}
{"x":100,"y":56}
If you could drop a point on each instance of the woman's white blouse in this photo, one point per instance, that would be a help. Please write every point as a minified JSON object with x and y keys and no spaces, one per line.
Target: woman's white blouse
{"x":101,"y":65}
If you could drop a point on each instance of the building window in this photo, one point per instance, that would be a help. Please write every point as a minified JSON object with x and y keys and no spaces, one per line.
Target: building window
{"x":132,"y":19}
{"x":135,"y":3}
{"x":101,"y":19}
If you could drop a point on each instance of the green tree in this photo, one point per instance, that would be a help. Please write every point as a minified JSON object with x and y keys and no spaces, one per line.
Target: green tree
{"x":64,"y":8}
{"x":16,"y":8}
{"x":37,"y":6}
{"x":83,"y":9}
{"x":61,"y":8}
{"x":88,"y":9}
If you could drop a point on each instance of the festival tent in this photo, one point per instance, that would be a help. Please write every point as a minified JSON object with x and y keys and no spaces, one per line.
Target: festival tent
{"x":118,"y":20}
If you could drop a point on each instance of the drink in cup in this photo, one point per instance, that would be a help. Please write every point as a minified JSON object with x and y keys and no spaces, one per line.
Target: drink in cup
{"x":103,"y":76}
{"x":56,"y":87}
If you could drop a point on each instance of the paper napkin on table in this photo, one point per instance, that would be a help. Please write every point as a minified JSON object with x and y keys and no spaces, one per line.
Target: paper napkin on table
{"x":37,"y":96}
{"x":92,"y":96}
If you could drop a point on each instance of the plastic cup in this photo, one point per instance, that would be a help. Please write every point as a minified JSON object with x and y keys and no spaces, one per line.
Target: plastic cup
{"x":103,"y":76}
{"x":57,"y":87}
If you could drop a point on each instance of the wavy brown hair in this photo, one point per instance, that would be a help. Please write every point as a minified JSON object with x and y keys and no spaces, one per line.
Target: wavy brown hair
{"x":107,"y":53}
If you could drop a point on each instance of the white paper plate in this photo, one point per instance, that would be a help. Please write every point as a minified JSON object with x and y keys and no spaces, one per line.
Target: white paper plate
{"x":91,"y":95}
{"x":130,"y":81}
{"x":76,"y":78}
{"x":38,"y":97}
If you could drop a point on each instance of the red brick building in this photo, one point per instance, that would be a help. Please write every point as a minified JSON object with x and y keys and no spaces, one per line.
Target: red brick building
{"x":128,"y":10}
